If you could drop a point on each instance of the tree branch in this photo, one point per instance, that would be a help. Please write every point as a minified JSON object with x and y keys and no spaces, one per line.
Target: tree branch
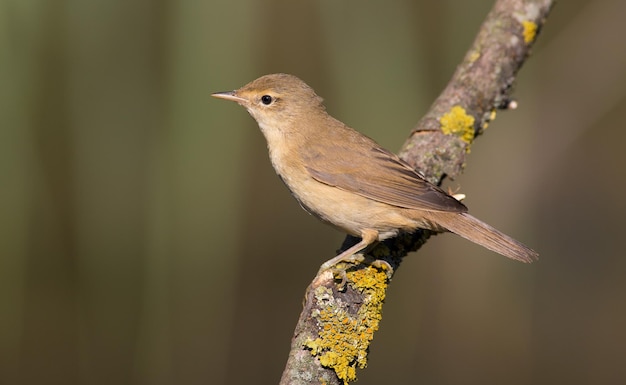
{"x":338,"y":322}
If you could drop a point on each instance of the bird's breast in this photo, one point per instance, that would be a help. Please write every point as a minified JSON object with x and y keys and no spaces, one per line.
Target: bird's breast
{"x":346,"y":210}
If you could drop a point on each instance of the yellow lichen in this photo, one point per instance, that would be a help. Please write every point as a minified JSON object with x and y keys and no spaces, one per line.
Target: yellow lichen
{"x":458,"y":122}
{"x":474,"y":56}
{"x":530,"y":30}
{"x":344,"y":337}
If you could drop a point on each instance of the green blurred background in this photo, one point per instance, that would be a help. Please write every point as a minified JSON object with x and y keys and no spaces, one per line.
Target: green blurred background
{"x":146,"y":240}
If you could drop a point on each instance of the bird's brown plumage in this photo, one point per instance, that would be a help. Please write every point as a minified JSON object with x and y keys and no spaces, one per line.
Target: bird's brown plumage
{"x":347,"y":179}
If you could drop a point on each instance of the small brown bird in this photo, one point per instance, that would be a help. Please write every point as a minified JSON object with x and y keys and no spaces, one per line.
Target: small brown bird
{"x":349,"y":181}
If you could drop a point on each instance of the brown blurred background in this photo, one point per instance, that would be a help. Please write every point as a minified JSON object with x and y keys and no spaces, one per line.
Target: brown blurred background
{"x":146,"y":240}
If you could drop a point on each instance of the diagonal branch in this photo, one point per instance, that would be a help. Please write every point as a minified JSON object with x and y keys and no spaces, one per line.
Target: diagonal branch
{"x":337,"y":323}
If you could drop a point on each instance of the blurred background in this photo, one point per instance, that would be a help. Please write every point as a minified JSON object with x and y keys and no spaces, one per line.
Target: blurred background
{"x":145,"y":239}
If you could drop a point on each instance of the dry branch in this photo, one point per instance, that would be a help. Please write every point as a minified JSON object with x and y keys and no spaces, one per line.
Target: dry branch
{"x":338,"y":322}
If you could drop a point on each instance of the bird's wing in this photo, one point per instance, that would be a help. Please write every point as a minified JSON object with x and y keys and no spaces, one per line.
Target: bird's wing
{"x":375,"y":173}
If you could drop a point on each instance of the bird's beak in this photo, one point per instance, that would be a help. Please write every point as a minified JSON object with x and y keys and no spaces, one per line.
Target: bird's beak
{"x":229,"y":95}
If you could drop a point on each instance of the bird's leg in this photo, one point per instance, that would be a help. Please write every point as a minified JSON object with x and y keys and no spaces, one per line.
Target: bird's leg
{"x":368,"y":238}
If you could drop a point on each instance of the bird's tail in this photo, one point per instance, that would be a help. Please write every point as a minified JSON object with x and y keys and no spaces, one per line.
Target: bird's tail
{"x":481,"y":233}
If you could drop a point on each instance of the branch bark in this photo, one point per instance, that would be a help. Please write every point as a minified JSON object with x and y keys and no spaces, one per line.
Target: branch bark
{"x":338,"y":321}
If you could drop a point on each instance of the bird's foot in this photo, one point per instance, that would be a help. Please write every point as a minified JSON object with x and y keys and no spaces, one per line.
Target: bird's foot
{"x":338,"y":266}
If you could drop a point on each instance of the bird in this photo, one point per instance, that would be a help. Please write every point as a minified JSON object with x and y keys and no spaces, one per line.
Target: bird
{"x":348,"y":180}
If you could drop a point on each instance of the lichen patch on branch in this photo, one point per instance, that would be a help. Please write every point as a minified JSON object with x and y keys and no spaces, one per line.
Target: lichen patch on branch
{"x":458,"y":122}
{"x":530,"y":31}
{"x":344,"y":335}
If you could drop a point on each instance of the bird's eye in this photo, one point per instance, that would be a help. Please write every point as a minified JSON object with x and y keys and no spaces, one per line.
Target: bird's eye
{"x":266,"y":99}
